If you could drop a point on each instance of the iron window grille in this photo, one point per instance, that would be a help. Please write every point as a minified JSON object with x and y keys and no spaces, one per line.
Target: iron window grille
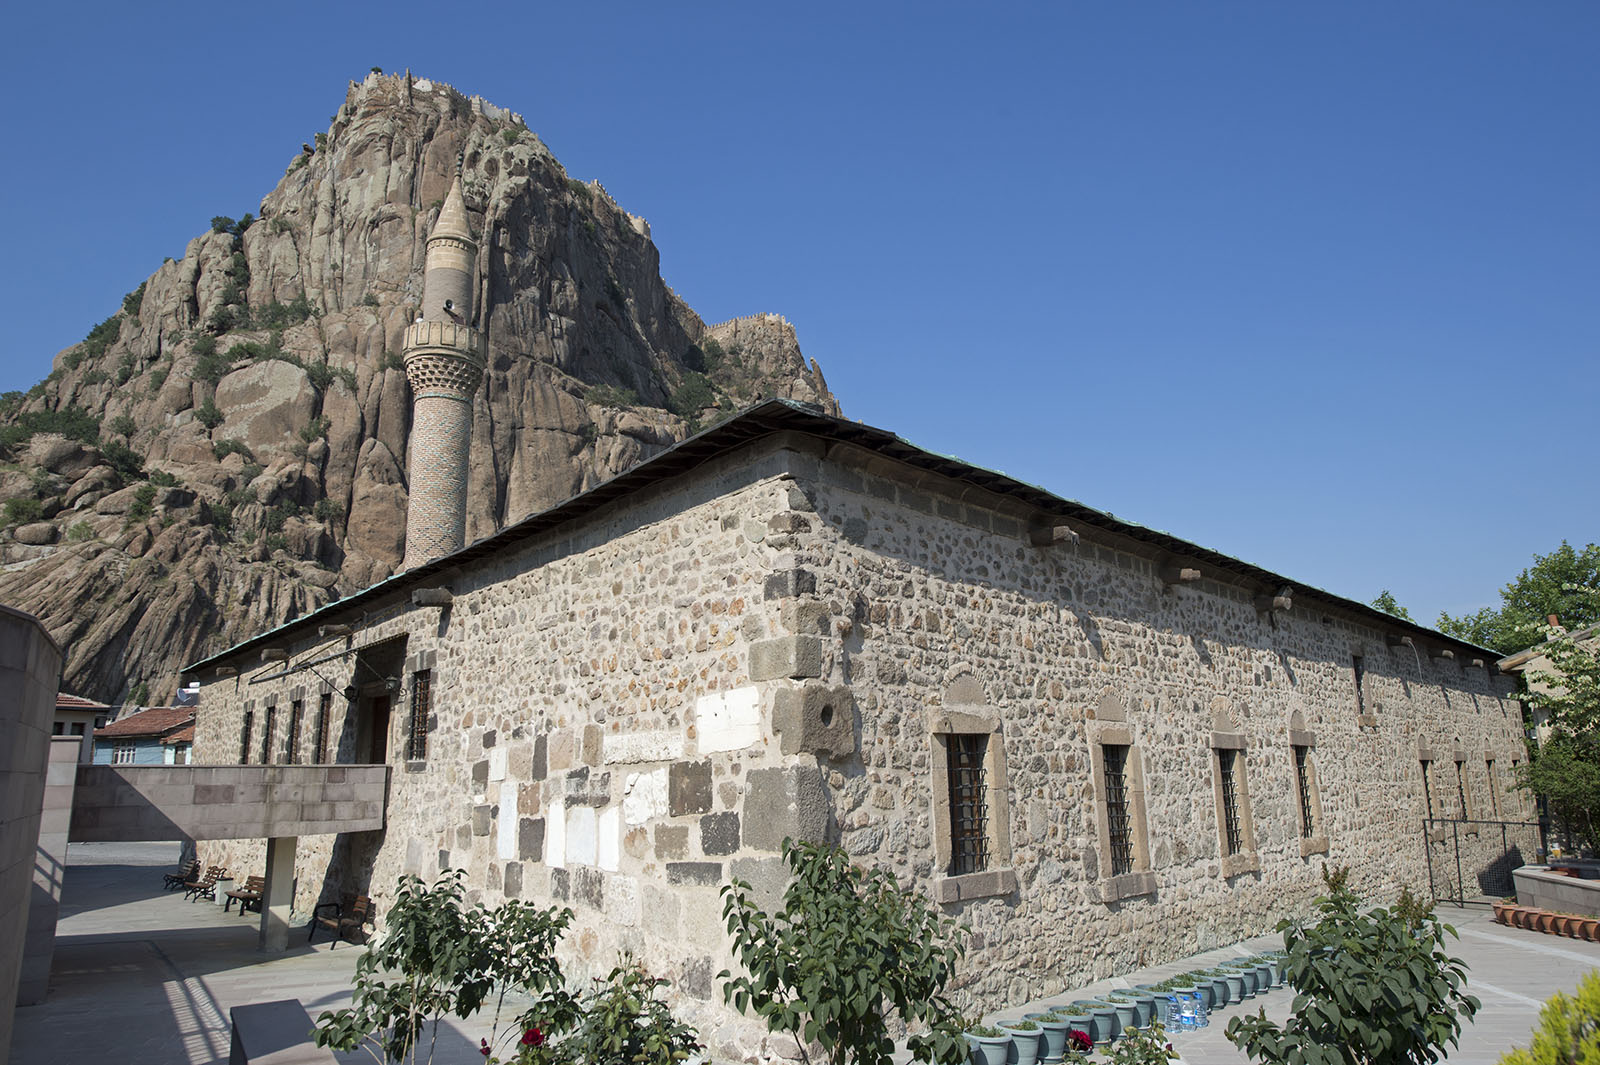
{"x":1302,"y":776}
{"x":969,"y":808}
{"x":421,"y":704}
{"x":324,"y":708}
{"x":1227,"y":764}
{"x":1359,"y":665}
{"x":291,"y":746}
{"x":1461,"y":791}
{"x":244,"y":737}
{"x":266,"y":736}
{"x":1118,"y":824}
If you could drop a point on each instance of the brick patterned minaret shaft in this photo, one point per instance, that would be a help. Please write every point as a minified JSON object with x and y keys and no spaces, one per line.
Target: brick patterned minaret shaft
{"x":444,"y":359}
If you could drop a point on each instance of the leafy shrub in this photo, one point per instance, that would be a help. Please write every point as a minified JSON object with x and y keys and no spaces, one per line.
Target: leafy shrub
{"x":622,"y":1020}
{"x":99,"y":339}
{"x":223,"y":448}
{"x":369,"y":300}
{"x":442,"y":958}
{"x":22,"y":509}
{"x":847,"y":947}
{"x":144,"y":498}
{"x":509,"y":136}
{"x":124,"y":369}
{"x":158,"y":377}
{"x":392,"y":361}
{"x":328,"y":510}
{"x":80,"y":531}
{"x":1566,"y":771}
{"x":122,"y":458}
{"x":163,"y":479}
{"x":320,"y":374}
{"x":72,"y":422}
{"x":347,"y":375}
{"x":1374,"y":986}
{"x":1569,"y":1028}
{"x":204,"y":345}
{"x":213,"y":366}
{"x":95,"y":377}
{"x":692,"y":395}
{"x":294,"y":312}
{"x":139,"y":694}
{"x":221,"y":223}
{"x":218,"y":515}
{"x":208,"y":414}
{"x":275,"y":542}
{"x":611,"y":396}
{"x":10,"y":403}
{"x":578,"y":189}
{"x":133,"y":301}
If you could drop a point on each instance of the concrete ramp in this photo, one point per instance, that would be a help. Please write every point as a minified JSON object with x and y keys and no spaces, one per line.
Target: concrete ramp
{"x":115,"y":803}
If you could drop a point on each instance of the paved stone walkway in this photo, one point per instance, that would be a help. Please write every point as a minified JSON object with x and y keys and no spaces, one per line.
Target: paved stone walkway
{"x":143,"y":978}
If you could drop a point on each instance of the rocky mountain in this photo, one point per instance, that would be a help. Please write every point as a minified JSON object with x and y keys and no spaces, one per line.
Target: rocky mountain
{"x":229,"y":449}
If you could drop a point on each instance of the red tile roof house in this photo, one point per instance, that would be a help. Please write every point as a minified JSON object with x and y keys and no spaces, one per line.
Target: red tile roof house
{"x":161,"y":735}
{"x":77,"y":716}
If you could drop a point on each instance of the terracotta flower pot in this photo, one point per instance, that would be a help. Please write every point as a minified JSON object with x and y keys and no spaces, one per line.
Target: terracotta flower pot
{"x":1518,"y":916}
{"x":1541,"y":920}
{"x":1558,"y":924}
{"x":1589,"y":929}
{"x":1500,"y":913}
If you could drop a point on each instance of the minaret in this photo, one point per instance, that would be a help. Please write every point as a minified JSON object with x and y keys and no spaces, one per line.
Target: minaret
{"x":444,"y":358}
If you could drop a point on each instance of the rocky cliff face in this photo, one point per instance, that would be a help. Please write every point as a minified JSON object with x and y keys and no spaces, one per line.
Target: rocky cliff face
{"x":229,"y":450}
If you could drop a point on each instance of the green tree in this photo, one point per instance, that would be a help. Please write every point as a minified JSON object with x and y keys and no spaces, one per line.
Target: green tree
{"x":1386,"y":602}
{"x":1556,"y":583}
{"x":1373,"y":987}
{"x":1565,"y":769}
{"x":847,"y":948}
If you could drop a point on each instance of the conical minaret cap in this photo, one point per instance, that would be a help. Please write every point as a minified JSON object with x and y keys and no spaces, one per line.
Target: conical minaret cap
{"x":453,"y":215}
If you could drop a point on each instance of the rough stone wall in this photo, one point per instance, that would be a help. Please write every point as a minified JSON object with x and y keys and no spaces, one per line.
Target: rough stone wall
{"x":644,"y":702}
{"x":929,"y":593}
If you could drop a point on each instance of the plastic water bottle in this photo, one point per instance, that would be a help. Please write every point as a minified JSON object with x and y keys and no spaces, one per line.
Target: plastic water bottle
{"x":1202,"y":1016}
{"x":1174,"y":1013}
{"x":1186,"y":1018}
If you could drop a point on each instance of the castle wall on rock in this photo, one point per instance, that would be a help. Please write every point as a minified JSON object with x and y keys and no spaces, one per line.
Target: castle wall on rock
{"x":640,"y":702}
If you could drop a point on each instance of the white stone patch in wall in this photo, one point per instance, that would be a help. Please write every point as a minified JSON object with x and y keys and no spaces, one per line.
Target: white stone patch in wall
{"x":728,"y":721}
{"x":555,"y":835}
{"x":644,"y":796}
{"x":581,"y":835}
{"x":622,"y":900}
{"x":644,"y":747}
{"x":507,"y":839}
{"x":608,"y":845}
{"x":497,"y":763}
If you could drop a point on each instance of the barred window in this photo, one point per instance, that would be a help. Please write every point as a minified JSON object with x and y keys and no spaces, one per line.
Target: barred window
{"x":1461,"y":791}
{"x":1358,"y":665}
{"x":1494,"y":787}
{"x":324,"y":708}
{"x":1427,"y":790}
{"x":421,"y":706}
{"x":244,"y":737}
{"x":969,"y":835}
{"x":1302,"y":777}
{"x":1232,"y":837}
{"x":291,"y":746}
{"x":1118,"y":825}
{"x":266,"y":735}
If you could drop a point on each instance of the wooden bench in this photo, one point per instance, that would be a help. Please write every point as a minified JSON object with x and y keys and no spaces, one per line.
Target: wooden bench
{"x":174,"y":881}
{"x":343,"y":919}
{"x":248,"y":896}
{"x":206,"y":886}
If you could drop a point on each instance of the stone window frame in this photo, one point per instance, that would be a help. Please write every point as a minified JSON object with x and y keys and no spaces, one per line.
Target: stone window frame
{"x":1317,"y":842}
{"x":291,"y":738}
{"x":999,"y":878}
{"x":270,"y":705}
{"x":1247,"y":859}
{"x":324,"y":726}
{"x":1107,"y":726}
{"x":1365,"y":715}
{"x":1493,"y":784}
{"x":246,"y":727}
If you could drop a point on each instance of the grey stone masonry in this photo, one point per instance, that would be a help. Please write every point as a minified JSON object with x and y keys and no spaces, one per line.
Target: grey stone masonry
{"x":637,"y":702}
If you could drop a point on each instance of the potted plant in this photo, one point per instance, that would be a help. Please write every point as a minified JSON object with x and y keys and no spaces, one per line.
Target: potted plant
{"x":1127,"y":1011}
{"x":989,"y":1045}
{"x":1078,"y":1017}
{"x":1056,"y":1027}
{"x":1025,"y":1036}
{"x":1160,"y":1004}
{"x":1237,"y":988}
{"x":1103,"y":1027}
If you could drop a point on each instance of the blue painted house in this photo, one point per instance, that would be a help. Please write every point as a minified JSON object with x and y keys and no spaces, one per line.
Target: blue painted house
{"x":160,"y":735}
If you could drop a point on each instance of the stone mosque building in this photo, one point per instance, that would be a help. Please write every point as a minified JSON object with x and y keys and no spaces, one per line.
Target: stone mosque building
{"x":1097,"y":745}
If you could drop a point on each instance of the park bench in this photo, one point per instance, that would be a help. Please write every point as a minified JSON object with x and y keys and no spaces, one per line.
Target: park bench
{"x":247,"y":896}
{"x":206,"y":886}
{"x":343,"y":920}
{"x":173,"y":881}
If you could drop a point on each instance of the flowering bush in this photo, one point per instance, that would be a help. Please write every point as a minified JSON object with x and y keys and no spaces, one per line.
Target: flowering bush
{"x":1143,"y":1046}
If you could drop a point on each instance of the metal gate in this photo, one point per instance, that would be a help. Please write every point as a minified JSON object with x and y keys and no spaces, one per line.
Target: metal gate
{"x":1470,"y":862}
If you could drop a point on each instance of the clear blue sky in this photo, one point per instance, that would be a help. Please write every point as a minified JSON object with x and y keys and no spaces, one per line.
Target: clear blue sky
{"x":1311,"y":284}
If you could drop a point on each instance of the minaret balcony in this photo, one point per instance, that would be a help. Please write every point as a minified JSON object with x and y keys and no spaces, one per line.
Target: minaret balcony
{"x":453,"y":338}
